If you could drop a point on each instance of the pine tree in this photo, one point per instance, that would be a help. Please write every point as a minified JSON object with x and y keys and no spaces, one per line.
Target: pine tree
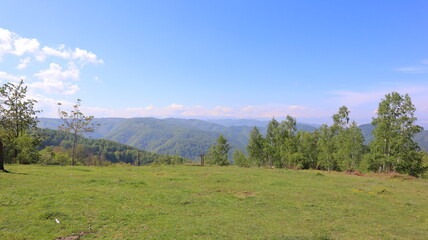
{"x":255,"y":148}
{"x":218,"y":154}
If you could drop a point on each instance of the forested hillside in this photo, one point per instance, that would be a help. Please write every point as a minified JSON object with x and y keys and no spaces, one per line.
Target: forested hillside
{"x":188,"y":137}
{"x":95,"y":151}
{"x":182,"y":137}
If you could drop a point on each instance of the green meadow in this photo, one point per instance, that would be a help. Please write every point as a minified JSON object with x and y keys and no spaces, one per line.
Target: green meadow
{"x":193,"y":202}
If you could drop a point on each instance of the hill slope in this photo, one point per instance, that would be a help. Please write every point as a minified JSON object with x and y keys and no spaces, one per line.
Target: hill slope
{"x":101,"y":149}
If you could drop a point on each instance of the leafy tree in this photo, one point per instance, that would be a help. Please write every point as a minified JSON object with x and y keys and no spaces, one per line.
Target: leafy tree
{"x":288,"y":144}
{"x":18,"y":119}
{"x":326,"y":148}
{"x":218,"y":154}
{"x":350,"y":147}
{"x":27,"y":146}
{"x":255,"y":148}
{"x":273,"y":143}
{"x":340,"y":146}
{"x":240,"y":159}
{"x":393,"y":148}
{"x":307,"y":147}
{"x":76,"y":123}
{"x":348,"y":140}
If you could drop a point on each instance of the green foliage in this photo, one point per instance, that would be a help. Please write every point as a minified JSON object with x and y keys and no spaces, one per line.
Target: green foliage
{"x":239,"y":159}
{"x":61,"y":158}
{"x":425,"y":165}
{"x":95,"y":151}
{"x":169,"y":160}
{"x":350,"y":148}
{"x":218,"y":154}
{"x":308,"y":148}
{"x":27,"y":146}
{"x":326,"y":148}
{"x":288,"y":144}
{"x":18,"y":121}
{"x":255,"y":148}
{"x":272,"y":143}
{"x":393,"y":147}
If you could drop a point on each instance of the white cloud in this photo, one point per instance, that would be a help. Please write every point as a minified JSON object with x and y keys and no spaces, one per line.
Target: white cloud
{"x":414,"y":69}
{"x":12,"y":43}
{"x":57,"y":81}
{"x":81,"y":55}
{"x":25,"y":45}
{"x":411,"y":69}
{"x":85,"y":56}
{"x":6,"y":40}
{"x":9,"y":77}
{"x":175,"y":107}
{"x":59,"y":52}
{"x":23,"y":63}
{"x":177,"y":110}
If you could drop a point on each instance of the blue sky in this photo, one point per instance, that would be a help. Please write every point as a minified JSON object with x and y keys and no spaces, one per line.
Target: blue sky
{"x":217,"y":59}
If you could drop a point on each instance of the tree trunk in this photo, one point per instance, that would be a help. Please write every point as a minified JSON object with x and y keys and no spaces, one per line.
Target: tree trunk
{"x":1,"y":157}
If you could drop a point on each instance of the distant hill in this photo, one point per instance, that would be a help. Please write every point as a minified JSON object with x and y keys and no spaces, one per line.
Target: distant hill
{"x":258,"y":123}
{"x":181,"y":137}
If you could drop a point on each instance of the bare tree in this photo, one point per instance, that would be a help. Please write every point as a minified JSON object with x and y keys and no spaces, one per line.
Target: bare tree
{"x":76,"y":123}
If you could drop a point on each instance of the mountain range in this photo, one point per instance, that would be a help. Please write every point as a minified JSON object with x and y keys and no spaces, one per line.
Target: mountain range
{"x":188,"y":137}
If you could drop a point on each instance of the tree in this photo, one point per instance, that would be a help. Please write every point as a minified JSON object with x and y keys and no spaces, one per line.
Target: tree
{"x":348,"y":140}
{"x":76,"y":123}
{"x":273,"y":142}
{"x":288,"y":144}
{"x":307,"y":147}
{"x":18,"y":119}
{"x":218,"y":154}
{"x":326,"y":148}
{"x":350,"y":147}
{"x":255,"y":148}
{"x":393,"y":148}
{"x":239,"y":159}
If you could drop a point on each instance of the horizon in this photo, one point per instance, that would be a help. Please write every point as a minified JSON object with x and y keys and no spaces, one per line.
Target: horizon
{"x":211,"y":120}
{"x":250,"y":60}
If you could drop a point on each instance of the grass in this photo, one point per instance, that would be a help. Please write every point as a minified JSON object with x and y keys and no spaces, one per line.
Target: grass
{"x":192,"y":202}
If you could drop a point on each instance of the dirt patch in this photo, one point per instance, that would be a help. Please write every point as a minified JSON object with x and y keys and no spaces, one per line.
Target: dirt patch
{"x":245,"y":194}
{"x":356,"y":173}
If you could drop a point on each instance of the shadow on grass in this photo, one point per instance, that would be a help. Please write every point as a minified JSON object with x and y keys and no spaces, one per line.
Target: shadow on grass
{"x":6,"y":171}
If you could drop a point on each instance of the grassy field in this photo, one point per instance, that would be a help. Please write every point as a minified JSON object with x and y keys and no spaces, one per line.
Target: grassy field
{"x":192,"y":202}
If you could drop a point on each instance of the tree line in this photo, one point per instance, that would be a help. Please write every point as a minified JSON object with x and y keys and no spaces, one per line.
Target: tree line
{"x":22,"y":142}
{"x":338,"y":147}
